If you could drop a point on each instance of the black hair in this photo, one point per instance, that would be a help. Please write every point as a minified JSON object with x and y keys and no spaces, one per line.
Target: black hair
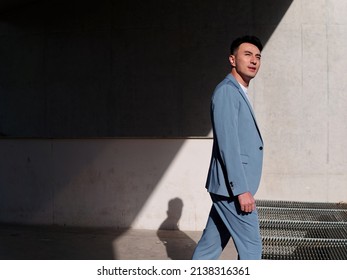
{"x":245,"y":39}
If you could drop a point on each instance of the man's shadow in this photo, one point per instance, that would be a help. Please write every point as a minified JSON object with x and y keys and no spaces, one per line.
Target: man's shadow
{"x":179,"y":246}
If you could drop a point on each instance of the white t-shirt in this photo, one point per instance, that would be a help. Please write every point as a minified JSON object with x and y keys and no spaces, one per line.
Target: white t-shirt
{"x":246,"y":93}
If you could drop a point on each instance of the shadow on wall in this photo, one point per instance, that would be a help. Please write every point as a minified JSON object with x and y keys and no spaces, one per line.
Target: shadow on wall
{"x":75,"y":69}
{"x":180,"y":247}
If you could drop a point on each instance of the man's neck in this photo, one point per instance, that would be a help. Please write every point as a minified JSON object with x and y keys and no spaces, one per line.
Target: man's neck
{"x":239,"y":79}
{"x":245,"y":90}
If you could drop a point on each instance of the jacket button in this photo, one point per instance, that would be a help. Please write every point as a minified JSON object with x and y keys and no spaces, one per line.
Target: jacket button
{"x":260,"y":148}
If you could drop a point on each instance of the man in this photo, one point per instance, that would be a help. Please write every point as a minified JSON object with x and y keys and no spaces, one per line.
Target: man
{"x":236,"y":161}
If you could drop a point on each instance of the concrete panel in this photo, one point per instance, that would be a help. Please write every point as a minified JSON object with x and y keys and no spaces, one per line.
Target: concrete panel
{"x":22,"y":99}
{"x":314,"y":115}
{"x":294,"y":187}
{"x":115,"y":177}
{"x":182,"y":183}
{"x":337,"y":187}
{"x":147,"y":184}
{"x":313,"y":12}
{"x":26,"y":195}
{"x":300,"y":104}
{"x":120,"y":68}
{"x":337,"y":99}
{"x":336,"y":11}
{"x":279,"y":100}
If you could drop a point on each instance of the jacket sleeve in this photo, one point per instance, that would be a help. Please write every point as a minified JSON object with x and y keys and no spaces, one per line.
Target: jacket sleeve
{"x":224,"y":115}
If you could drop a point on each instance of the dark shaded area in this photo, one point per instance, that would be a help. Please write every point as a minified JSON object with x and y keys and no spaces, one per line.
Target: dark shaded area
{"x":119,"y":68}
{"x":6,"y":5}
{"x":56,"y":243}
{"x":183,"y":246}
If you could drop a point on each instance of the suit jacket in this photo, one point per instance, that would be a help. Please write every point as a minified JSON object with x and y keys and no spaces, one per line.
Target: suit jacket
{"x":237,"y":153}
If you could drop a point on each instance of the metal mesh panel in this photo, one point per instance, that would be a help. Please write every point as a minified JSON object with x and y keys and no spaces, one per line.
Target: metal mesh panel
{"x":303,"y":214}
{"x":297,"y":204}
{"x":314,"y":230}
{"x":305,"y":231}
{"x":304,"y":249}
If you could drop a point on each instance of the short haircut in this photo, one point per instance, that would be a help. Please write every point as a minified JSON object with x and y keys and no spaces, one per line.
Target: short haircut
{"x":245,"y":39}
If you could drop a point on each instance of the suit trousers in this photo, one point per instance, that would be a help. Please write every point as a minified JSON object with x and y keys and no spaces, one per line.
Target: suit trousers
{"x":227,"y":220}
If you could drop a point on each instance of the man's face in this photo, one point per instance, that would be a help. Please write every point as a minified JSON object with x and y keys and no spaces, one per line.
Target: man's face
{"x":245,"y":62}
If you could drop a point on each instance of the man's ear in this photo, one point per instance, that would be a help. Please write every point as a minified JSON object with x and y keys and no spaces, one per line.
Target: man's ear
{"x":232,"y":60}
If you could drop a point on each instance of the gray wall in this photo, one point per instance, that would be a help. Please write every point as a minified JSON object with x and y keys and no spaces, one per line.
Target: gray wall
{"x":301,"y":103}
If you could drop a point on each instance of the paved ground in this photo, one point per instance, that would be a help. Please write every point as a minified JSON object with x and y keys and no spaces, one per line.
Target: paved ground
{"x":57,"y":243}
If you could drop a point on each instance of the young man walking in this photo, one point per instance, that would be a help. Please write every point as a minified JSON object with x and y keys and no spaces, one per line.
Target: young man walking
{"x":236,"y":161}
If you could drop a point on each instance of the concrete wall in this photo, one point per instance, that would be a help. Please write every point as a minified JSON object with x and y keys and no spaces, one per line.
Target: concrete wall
{"x":158,"y":182}
{"x":120,"y":183}
{"x":301,"y":103}
{"x":103,"y":68}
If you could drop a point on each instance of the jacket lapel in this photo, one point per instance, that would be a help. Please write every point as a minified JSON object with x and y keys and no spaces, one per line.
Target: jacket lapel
{"x":243,"y":94}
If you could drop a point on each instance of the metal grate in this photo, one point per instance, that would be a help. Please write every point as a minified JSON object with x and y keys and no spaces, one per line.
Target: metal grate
{"x":292,"y":229}
{"x":297,"y":204}
{"x":305,"y":231}
{"x":304,"y":249}
{"x":302,"y":214}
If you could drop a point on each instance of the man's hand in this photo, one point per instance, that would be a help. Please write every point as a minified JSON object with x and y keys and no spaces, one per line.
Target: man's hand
{"x":247,"y":202}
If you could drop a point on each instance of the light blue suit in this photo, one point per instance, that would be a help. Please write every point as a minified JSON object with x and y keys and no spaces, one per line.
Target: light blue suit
{"x":235,"y":168}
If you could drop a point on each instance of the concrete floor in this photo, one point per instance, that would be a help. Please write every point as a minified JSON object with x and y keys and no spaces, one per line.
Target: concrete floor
{"x":64,"y":243}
